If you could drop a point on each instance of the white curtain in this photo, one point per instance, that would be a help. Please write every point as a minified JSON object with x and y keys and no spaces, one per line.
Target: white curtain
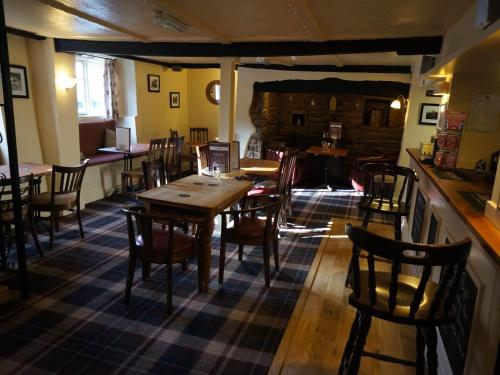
{"x":111,"y":89}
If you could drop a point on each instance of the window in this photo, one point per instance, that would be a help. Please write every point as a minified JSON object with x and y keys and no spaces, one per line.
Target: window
{"x":90,"y":87}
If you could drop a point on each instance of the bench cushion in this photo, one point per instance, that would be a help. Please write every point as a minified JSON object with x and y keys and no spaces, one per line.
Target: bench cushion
{"x":102,"y":158}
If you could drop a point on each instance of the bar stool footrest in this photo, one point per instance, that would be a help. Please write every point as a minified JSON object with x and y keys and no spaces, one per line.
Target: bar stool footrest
{"x":386,"y":358}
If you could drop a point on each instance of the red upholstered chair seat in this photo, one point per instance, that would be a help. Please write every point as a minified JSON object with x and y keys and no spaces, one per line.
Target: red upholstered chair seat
{"x":264,"y":187}
{"x":183,"y":246}
{"x":247,"y":227}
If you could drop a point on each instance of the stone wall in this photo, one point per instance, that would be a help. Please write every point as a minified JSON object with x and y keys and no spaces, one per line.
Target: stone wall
{"x":274,"y":113}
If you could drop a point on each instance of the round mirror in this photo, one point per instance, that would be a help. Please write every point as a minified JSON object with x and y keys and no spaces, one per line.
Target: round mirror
{"x":213,"y":92}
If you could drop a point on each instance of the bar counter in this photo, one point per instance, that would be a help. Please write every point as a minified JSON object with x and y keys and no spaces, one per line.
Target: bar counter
{"x":487,"y":234}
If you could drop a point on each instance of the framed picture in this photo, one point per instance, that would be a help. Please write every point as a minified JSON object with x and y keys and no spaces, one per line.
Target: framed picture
{"x":429,"y":114}
{"x":19,"y":81}
{"x":153,"y":83}
{"x":175,"y":100}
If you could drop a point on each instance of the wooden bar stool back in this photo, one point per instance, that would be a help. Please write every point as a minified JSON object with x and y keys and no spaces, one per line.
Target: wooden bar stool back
{"x":400,"y":298}
{"x":173,"y":158}
{"x":198,"y":135}
{"x":202,"y":158}
{"x":381,"y":182}
{"x":154,"y":173}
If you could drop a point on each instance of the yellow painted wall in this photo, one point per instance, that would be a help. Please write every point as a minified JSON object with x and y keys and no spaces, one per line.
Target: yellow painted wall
{"x":28,"y":143}
{"x":474,"y":145}
{"x":202,"y":113}
{"x":155,"y":118}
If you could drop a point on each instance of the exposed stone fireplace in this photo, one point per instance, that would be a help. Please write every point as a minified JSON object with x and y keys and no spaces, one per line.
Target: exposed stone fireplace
{"x":298,"y":112}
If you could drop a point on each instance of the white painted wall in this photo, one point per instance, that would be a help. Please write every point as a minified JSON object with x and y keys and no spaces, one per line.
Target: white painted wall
{"x":247,"y":77}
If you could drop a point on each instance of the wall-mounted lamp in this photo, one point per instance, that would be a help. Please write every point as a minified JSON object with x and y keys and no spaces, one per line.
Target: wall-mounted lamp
{"x":66,"y":82}
{"x":399,"y":102}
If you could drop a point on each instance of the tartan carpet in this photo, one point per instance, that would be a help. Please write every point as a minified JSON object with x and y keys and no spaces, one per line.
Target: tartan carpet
{"x":75,"y":320}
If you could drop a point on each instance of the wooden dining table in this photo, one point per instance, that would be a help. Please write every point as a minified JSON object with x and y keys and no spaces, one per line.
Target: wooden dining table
{"x":196,"y":196}
{"x":135,"y":150}
{"x":25,"y":169}
{"x":250,"y":167}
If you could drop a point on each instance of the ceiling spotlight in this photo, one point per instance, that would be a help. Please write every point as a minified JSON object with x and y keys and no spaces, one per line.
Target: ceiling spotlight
{"x":170,"y":22}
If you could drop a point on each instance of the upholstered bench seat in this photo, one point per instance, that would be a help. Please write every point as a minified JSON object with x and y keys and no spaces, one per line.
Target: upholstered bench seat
{"x":103,"y":158}
{"x":92,"y":138}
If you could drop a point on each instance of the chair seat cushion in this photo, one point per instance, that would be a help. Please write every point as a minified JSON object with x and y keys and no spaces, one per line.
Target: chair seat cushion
{"x":407,"y":285}
{"x":366,"y":203}
{"x":248,"y":227}
{"x":8,"y":216}
{"x":264,"y":187}
{"x":42,"y":201}
{"x":184,"y":246}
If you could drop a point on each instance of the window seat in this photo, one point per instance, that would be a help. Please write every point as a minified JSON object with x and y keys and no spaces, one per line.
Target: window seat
{"x":92,"y":138}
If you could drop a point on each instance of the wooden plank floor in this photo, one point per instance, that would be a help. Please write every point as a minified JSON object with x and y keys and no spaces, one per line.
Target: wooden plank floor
{"x":314,"y":340}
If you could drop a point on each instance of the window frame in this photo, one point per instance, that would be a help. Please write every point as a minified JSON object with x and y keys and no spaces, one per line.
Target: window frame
{"x":87,"y":117}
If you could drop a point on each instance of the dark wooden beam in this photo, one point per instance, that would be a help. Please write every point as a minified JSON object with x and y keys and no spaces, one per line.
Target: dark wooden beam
{"x":402,"y":46}
{"x":24,"y":33}
{"x":168,"y":65}
{"x":404,"y":69}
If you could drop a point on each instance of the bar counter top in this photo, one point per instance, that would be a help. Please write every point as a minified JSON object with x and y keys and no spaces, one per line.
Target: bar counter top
{"x":480,"y":225}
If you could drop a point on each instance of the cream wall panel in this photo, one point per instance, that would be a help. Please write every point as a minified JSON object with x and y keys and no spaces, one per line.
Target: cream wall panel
{"x":202,"y":113}
{"x":28,"y":143}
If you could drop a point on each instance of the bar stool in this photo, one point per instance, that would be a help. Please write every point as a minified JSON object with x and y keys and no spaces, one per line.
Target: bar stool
{"x":380,"y":182}
{"x":401,"y":298}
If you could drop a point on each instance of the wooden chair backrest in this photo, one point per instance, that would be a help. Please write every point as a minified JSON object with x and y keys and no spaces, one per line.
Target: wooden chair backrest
{"x":198,"y":135}
{"x":174,"y":133}
{"x":202,"y":158}
{"x":274,"y":150}
{"x":381,"y":181}
{"x":173,"y":157}
{"x":452,"y":259}
{"x":285,"y":171}
{"x":154,"y":173}
{"x":67,"y":180}
{"x":26,"y":186}
{"x":156,"y":148}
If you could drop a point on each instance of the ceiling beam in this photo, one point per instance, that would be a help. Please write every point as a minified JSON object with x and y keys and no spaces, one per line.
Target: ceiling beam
{"x":75,"y":12}
{"x":24,"y":33}
{"x":393,"y":69}
{"x":170,"y":7}
{"x":402,"y":46}
{"x":170,"y":65}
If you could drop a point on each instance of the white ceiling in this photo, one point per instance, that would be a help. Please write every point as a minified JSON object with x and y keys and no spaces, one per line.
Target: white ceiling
{"x":227,"y":21}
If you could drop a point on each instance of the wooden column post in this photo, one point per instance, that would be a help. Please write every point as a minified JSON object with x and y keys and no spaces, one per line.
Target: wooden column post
{"x":227,"y":98}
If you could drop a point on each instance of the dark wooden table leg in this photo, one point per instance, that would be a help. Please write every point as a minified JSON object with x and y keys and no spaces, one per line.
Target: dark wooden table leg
{"x":205,"y":253}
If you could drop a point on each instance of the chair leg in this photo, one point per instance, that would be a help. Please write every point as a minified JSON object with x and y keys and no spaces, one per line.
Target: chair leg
{"x":51,"y":228}
{"x":276,"y":253}
{"x":420,"y":361}
{"x":79,"y":216}
{"x":130,"y":279}
{"x":366,"y":219}
{"x":222,"y":260}
{"x":124,"y":182}
{"x":169,"y":288}
{"x":56,"y":221}
{"x":349,"y":346}
{"x":146,"y":270}
{"x":31,"y":223}
{"x":265,"y":250}
{"x":364,"y":326}
{"x":185,"y":265}
{"x":240,"y":252}
{"x":432,"y":357}
{"x":397,"y":228}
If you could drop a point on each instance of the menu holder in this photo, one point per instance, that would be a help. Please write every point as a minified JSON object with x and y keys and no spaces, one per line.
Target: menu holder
{"x":122,"y":138}
{"x":219,"y":154}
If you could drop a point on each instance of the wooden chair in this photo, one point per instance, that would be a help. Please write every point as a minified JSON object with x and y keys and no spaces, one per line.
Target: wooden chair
{"x":154,"y":173}
{"x":399,"y":298}
{"x":64,"y":194}
{"x":26,"y":185}
{"x":202,"y":158}
{"x":151,"y":244}
{"x":174,"y":133}
{"x":156,"y":150}
{"x":251,"y":230}
{"x":173,"y":158}
{"x":381,"y":181}
{"x":283,"y":183}
{"x":197,"y":137}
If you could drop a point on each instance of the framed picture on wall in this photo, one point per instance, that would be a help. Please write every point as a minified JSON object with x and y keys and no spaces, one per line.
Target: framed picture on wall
{"x":175,"y":100}
{"x":153,"y":83}
{"x":19,"y":81}
{"x":429,"y":114}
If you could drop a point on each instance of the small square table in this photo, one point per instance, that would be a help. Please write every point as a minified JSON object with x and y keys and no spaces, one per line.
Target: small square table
{"x":198,"y":196}
{"x":337,"y":152}
{"x":138,"y":149}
